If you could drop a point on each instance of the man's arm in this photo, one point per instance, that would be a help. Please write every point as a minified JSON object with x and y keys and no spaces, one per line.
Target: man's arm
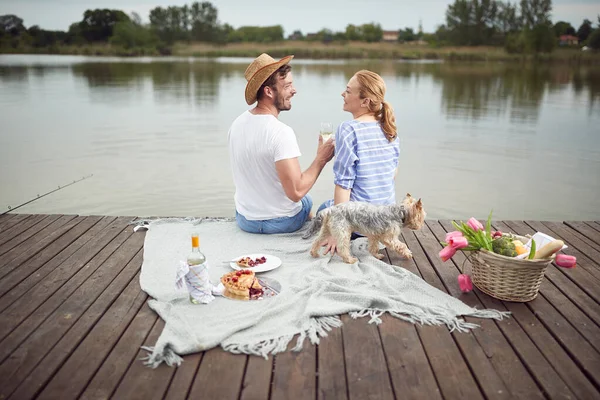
{"x":297,"y":183}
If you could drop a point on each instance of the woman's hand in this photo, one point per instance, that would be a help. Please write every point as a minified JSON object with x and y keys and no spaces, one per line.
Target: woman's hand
{"x":330,"y":245}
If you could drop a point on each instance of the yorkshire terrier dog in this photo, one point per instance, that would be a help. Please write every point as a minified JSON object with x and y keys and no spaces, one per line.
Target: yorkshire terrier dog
{"x":378,"y":223}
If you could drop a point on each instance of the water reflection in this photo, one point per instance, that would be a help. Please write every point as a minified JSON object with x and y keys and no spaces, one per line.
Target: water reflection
{"x":175,"y":80}
{"x":468,"y":91}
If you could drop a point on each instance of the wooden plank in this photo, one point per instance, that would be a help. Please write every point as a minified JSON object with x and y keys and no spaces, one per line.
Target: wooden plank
{"x":39,"y":266}
{"x":580,"y":276}
{"x":579,"y":242}
{"x":26,"y":250}
{"x":219,"y":376}
{"x":366,"y":368}
{"x":410,"y":370}
{"x":545,"y":375}
{"x":294,"y":375}
{"x":516,"y":379}
{"x":586,"y":230}
{"x":560,"y":278}
{"x":25,"y":222}
{"x":29,"y":311}
{"x":566,"y":334}
{"x":40,"y":223}
{"x":142,"y":382}
{"x":582,"y":322}
{"x":462,"y":381}
{"x":108,"y":377}
{"x":257,"y":379}
{"x":71,"y":320}
{"x":184,"y":376}
{"x":331,"y":367}
{"x":586,"y":357}
{"x":5,"y":217}
{"x":554,"y":353}
{"x":594,"y":225}
{"x":11,"y":220}
{"x":87,"y":344}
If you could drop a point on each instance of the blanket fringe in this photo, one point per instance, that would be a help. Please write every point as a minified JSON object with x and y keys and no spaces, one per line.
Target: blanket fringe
{"x":489,"y":313}
{"x":317,"y":328}
{"x":374,"y":314}
{"x":147,"y":222}
{"x":453,"y":323}
{"x":155,"y":358}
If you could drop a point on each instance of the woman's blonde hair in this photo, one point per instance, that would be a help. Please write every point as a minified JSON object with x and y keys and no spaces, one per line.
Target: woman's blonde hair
{"x":371,"y":86}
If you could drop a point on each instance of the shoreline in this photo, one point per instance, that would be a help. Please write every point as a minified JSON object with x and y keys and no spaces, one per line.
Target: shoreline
{"x":319,"y":51}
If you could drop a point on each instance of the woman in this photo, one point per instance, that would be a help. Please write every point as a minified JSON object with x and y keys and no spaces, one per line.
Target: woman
{"x":366,"y":148}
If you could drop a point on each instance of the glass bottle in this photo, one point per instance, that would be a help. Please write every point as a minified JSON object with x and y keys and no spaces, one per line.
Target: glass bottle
{"x":195,"y":258}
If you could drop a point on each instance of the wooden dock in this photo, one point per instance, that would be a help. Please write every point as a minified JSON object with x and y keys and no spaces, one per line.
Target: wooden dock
{"x":73,"y":319}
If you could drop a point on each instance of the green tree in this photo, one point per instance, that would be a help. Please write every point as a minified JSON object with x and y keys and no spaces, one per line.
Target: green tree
{"x":203,"y":21}
{"x":541,"y":38}
{"x":406,"y":35}
{"x":296,"y":35}
{"x":535,"y":12}
{"x":372,"y":32}
{"x":11,"y":24}
{"x":584,"y":30}
{"x":594,"y":39}
{"x":472,"y":22}
{"x":129,"y":34}
{"x":459,"y":19}
{"x":563,"y":28}
{"x":507,"y":20}
{"x":98,"y":24}
{"x":353,"y":32}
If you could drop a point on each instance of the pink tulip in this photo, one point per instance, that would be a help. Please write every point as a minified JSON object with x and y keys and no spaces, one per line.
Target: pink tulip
{"x":447,"y":253}
{"x":474,"y":224}
{"x":565,"y":261}
{"x":453,"y":234}
{"x":464,"y":282}
{"x":496,"y":234}
{"x":458,"y":243}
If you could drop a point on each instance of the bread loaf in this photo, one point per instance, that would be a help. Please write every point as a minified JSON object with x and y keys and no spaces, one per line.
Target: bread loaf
{"x":550,"y":248}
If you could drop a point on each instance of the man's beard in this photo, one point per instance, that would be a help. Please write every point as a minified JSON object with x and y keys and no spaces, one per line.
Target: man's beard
{"x":280,"y":103}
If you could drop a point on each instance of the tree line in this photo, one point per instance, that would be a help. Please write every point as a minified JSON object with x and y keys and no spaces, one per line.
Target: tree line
{"x":520,"y":27}
{"x":523,"y":27}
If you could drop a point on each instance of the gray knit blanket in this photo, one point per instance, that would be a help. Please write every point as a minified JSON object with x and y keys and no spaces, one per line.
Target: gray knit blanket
{"x":315,"y":292}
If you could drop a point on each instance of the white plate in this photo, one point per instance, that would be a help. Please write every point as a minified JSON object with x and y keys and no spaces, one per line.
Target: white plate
{"x":271,"y":263}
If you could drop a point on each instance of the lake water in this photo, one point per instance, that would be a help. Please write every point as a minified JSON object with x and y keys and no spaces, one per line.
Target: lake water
{"x":521,"y":140}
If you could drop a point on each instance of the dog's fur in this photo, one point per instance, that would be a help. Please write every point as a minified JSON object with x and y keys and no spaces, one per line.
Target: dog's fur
{"x":378,"y":223}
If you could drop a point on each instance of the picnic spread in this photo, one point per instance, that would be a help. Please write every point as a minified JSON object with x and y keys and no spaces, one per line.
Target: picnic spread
{"x":295,"y":294}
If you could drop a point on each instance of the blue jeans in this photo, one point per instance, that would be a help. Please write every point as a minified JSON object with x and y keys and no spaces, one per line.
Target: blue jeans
{"x":277,"y":225}
{"x":329,"y":203}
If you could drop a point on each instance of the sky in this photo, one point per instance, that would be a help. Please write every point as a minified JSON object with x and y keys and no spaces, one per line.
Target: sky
{"x":305,"y":15}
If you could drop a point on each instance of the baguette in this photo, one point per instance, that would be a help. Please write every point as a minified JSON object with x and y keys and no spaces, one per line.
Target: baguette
{"x":549,"y":249}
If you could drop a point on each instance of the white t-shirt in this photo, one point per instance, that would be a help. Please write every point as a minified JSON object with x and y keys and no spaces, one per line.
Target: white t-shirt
{"x":256,"y":142}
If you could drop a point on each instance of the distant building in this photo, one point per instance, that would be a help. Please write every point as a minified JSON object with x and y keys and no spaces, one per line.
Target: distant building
{"x":568,"y":40}
{"x":390,"y":36}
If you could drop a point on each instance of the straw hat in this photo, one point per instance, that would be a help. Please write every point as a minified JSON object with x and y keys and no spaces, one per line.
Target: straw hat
{"x":259,"y":71}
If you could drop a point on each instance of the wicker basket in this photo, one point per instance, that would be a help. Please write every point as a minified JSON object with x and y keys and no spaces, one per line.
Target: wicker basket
{"x":507,"y":278}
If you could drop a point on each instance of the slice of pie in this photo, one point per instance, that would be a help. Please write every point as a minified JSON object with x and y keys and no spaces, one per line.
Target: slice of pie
{"x":243,"y":284}
{"x":247,"y":262}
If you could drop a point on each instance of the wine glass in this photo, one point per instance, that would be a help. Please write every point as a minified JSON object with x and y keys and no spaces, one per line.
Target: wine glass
{"x":326,"y":131}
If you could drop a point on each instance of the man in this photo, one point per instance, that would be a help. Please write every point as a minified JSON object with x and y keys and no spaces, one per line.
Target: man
{"x":271,"y":193}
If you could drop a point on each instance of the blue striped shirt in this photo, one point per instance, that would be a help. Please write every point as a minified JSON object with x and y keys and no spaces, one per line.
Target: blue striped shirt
{"x":365,"y":162}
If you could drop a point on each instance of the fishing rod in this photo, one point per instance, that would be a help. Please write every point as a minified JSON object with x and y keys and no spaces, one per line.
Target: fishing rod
{"x":46,"y":194}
